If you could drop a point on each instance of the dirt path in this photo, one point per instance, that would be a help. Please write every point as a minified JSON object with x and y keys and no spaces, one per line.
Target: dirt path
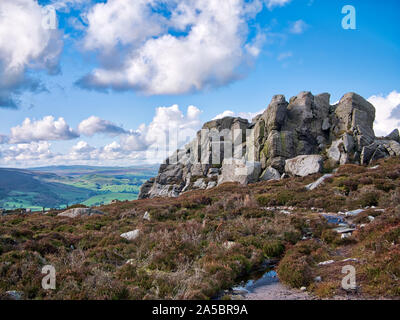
{"x":268,"y":287}
{"x":277,"y":291}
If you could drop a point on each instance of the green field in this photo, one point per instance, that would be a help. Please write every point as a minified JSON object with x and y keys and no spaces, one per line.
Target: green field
{"x":59,"y":187}
{"x":108,"y":197}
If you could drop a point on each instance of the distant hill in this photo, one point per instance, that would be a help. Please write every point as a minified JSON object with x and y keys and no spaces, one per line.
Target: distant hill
{"x":59,"y":186}
{"x":74,"y":170}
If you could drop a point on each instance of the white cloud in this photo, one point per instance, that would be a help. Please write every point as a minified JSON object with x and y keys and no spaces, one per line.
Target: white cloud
{"x":25,"y":44}
{"x":3,"y":139}
{"x":226,"y":113}
{"x":135,"y":141}
{"x":26,"y":152}
{"x":387,"y":112}
{"x":245,"y":115}
{"x":276,"y":3}
{"x":208,"y":47}
{"x":67,"y":5}
{"x":42,"y":130}
{"x":298,"y":27}
{"x":93,"y":125}
{"x":170,"y":129}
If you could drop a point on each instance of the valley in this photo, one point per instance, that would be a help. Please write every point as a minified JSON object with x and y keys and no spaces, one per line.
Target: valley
{"x":62,"y":186}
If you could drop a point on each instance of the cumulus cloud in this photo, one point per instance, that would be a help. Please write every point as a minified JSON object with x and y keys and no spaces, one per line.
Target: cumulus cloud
{"x":81,"y":151}
{"x":245,"y":115}
{"x":170,"y":129}
{"x":26,"y":152}
{"x":192,"y":45}
{"x":387,"y":112}
{"x":67,"y":5}
{"x":93,"y":125}
{"x":298,"y":27}
{"x":135,"y":140}
{"x":25,"y":44}
{"x":42,"y":130}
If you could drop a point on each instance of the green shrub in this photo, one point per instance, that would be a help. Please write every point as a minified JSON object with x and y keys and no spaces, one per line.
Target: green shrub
{"x":292,"y":236}
{"x":273,"y":249}
{"x":369,"y":199}
{"x":294,"y":270}
{"x":329,"y":236}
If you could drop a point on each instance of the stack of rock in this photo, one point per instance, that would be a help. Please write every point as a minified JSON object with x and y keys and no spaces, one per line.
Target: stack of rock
{"x":293,"y":138}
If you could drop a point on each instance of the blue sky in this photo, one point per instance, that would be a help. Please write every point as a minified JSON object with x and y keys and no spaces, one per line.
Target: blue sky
{"x":295,"y":46}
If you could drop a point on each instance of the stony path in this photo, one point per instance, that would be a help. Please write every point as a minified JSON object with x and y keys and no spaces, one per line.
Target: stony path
{"x":277,"y":291}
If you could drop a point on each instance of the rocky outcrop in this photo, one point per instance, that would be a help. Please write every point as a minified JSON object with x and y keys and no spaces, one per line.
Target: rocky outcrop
{"x":239,"y":170}
{"x":78,"y":212}
{"x":303,"y":166}
{"x":295,"y":137}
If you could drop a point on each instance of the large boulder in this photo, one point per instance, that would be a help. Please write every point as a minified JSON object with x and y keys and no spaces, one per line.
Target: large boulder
{"x":341,"y":150}
{"x":279,"y":144}
{"x":239,"y":170}
{"x":145,"y":189}
{"x":379,"y":149}
{"x":356,"y":115}
{"x":394,"y":135}
{"x":270,"y":174}
{"x":78,"y":212}
{"x":275,"y":114}
{"x":304,"y":165}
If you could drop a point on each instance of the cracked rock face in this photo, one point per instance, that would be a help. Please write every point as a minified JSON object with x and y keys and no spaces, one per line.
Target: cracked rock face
{"x":294,"y":137}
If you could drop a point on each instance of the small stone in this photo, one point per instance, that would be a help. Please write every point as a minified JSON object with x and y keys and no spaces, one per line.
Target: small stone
{"x":344,"y":230}
{"x":326,"y":262}
{"x":319,"y":182}
{"x":15,"y":295}
{"x":345,"y":235}
{"x":303,"y":289}
{"x":270,"y":174}
{"x":211,"y":185}
{"x":130,"y":261}
{"x":354,"y":212}
{"x":350,"y":260}
{"x":200,"y":184}
{"x":131,"y":235}
{"x":228,"y":244}
{"x":147,"y":216}
{"x":318,"y":279}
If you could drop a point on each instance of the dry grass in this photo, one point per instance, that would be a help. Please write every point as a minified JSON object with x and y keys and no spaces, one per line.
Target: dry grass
{"x":204,"y":241}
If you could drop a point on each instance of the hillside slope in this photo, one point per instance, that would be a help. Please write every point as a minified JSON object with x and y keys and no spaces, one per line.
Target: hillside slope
{"x":205,"y":241}
{"x":55,"y":187}
{"x":32,"y":189}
